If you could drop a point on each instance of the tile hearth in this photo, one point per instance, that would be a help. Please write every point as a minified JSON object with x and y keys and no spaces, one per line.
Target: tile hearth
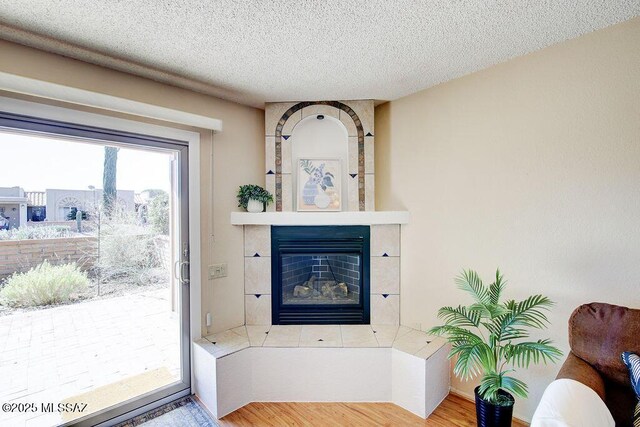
{"x":321,"y":363}
{"x":410,"y":341}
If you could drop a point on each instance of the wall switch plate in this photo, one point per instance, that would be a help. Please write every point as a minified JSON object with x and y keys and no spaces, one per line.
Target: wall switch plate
{"x":217,"y":271}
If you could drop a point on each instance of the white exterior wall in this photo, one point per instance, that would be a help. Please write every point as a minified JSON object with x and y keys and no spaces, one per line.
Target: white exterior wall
{"x":57,"y":199}
{"x":13,"y":205}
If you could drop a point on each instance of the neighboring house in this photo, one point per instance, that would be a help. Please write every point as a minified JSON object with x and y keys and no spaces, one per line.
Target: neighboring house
{"x":13,"y":207}
{"x":60,"y":202}
{"x":18,"y":206}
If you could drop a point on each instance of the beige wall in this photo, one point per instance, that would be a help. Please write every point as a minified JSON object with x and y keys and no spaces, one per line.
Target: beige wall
{"x":532,"y":166}
{"x":238,"y":158}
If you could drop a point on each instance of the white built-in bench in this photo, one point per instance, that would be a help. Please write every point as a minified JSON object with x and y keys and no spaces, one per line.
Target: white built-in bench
{"x":316,"y":363}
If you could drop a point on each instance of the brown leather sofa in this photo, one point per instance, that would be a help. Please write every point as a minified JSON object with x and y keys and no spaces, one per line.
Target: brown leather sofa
{"x":598,"y":334}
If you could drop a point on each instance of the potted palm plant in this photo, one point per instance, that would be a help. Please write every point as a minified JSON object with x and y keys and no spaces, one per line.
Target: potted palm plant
{"x":253,"y":198}
{"x":490,"y":340}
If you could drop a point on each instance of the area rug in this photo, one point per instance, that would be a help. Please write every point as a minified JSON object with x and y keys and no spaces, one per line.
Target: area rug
{"x":112,"y":394}
{"x":184,"y":412}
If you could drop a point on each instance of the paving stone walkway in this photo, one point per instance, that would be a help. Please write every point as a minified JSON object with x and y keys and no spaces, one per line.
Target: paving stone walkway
{"x":52,"y":354}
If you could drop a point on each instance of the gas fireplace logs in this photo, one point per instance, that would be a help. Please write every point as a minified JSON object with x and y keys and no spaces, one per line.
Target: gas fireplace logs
{"x":315,"y":288}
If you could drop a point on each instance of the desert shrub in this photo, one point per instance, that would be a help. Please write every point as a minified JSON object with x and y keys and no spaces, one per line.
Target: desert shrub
{"x":37,"y":232}
{"x":125,"y":254}
{"x":44,"y":284}
{"x":126,"y":248}
{"x":159,"y":213}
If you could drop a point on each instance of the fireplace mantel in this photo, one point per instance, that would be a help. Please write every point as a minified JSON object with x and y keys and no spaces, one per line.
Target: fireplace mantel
{"x":320,"y":218}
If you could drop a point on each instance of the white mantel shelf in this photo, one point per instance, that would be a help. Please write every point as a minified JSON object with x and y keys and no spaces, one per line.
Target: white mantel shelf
{"x":320,"y":218}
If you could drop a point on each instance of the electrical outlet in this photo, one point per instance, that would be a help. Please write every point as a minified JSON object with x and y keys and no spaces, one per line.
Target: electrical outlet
{"x":217,"y":271}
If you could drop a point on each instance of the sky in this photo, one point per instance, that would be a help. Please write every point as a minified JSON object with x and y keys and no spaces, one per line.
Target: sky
{"x":36,"y":163}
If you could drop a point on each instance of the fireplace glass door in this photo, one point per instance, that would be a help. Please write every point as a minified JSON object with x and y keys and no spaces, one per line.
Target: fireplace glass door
{"x":324,"y":279}
{"x":320,"y":275}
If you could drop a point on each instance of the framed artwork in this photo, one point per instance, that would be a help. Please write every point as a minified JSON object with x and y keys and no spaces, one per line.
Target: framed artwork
{"x":319,"y":182}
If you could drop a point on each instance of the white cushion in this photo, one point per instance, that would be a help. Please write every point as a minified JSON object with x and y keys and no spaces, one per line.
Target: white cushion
{"x":569,"y":403}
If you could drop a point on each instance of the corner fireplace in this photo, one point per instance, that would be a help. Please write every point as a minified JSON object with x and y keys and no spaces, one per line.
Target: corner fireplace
{"x":320,"y":275}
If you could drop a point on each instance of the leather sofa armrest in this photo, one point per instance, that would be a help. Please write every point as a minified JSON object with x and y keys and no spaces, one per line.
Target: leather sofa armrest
{"x":577,"y":369}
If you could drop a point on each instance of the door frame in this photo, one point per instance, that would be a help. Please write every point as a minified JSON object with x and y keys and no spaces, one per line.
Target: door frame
{"x":191,"y":139}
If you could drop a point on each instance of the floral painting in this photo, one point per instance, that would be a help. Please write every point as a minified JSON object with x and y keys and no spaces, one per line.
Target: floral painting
{"x":319,"y":183}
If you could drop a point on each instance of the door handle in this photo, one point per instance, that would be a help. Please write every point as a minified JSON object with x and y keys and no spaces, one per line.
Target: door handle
{"x":184,"y":272}
{"x":181,"y":272}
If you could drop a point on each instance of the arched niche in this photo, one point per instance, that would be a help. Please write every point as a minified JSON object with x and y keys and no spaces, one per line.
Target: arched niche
{"x":320,"y":137}
{"x":278,"y":153}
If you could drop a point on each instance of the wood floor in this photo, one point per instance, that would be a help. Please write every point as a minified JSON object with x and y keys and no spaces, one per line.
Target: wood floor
{"x":453,"y":411}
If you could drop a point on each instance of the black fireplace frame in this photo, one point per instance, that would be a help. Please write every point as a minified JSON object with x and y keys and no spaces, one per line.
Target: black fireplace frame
{"x":318,"y":240}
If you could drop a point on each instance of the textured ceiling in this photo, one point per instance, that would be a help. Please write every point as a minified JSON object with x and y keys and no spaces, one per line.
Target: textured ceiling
{"x":258,"y":51}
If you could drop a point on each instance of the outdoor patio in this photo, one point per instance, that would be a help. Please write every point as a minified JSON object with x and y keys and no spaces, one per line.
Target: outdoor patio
{"x":49,"y":355}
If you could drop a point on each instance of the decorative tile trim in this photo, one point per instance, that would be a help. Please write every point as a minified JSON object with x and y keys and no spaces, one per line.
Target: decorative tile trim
{"x":278,"y":146}
{"x":361,"y":181}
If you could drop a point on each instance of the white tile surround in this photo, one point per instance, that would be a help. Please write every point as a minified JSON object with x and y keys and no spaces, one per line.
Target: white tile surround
{"x":315,"y":363}
{"x":384,"y":273}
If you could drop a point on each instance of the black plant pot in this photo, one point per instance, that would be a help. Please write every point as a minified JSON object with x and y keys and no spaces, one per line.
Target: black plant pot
{"x":490,"y":415}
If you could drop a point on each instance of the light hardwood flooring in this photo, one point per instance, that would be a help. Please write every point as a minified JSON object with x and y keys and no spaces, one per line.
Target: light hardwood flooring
{"x":453,"y":411}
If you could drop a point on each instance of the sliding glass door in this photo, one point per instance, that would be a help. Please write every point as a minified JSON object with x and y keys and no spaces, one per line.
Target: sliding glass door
{"x":94,"y":272}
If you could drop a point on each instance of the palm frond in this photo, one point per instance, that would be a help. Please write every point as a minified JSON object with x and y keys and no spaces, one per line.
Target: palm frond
{"x":459,"y":316}
{"x":514,"y":386}
{"x":489,"y":385}
{"x":512,"y":333}
{"x":528,"y":313}
{"x":492,"y":327}
{"x":522,"y":354}
{"x":489,"y":310}
{"x":473,"y":359}
{"x":470,"y":282}
{"x":455,"y":334}
{"x":495,"y":289}
{"x":492,"y":382}
{"x":495,"y":327}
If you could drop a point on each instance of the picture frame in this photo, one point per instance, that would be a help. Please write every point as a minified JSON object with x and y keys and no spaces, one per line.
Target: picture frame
{"x":319,"y":185}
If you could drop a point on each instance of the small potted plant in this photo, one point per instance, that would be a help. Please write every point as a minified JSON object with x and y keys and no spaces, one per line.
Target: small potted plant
{"x":489,"y":339}
{"x":253,"y":198}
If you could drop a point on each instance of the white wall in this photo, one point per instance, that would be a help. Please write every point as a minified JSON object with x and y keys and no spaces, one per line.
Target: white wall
{"x":532,"y":166}
{"x":11,"y":192}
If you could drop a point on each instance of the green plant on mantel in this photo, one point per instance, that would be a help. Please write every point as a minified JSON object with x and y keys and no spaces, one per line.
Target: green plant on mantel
{"x":489,"y":337}
{"x":251,"y":191}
